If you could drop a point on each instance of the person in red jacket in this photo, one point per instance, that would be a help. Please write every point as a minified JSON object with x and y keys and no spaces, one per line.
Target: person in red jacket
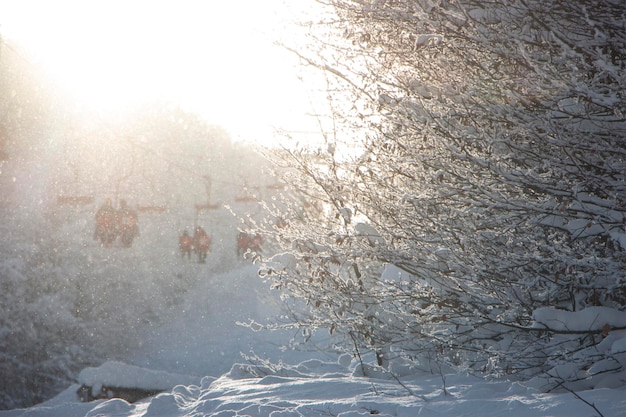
{"x":201,"y":244}
{"x":185,"y":243}
{"x":248,"y":242}
{"x":106,"y":224}
{"x":127,"y":224}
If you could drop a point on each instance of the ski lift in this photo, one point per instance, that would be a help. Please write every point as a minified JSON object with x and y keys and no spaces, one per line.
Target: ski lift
{"x":71,"y":194}
{"x":152,"y":208}
{"x":246,"y":196}
{"x":207,"y":205}
{"x":249,"y":242}
{"x":74,"y":200}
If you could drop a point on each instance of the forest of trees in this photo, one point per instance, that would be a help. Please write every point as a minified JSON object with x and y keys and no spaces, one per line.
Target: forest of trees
{"x":473,"y":176}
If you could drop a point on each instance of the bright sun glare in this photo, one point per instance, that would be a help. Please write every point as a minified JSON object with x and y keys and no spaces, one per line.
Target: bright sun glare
{"x":214,"y":58}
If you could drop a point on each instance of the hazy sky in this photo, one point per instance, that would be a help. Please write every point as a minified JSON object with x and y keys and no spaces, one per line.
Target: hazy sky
{"x":214,"y":58}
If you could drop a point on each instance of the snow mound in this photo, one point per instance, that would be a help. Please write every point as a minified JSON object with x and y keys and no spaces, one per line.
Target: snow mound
{"x":314,"y":388}
{"x":589,"y":319}
{"x":121,"y":375}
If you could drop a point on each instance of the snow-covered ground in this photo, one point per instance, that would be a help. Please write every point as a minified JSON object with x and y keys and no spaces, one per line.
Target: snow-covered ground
{"x":335,"y":388}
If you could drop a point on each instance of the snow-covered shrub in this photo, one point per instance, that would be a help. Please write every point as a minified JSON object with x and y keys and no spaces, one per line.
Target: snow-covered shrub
{"x":481,"y":157}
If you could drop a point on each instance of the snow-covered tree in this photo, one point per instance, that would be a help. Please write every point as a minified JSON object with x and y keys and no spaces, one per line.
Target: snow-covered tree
{"x":476,"y":174}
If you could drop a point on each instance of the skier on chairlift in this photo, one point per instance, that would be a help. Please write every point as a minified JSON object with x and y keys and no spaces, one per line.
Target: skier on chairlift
{"x":106,"y":225}
{"x":127,"y":224}
{"x":248,"y":242}
{"x":185,"y":243}
{"x":201,"y":244}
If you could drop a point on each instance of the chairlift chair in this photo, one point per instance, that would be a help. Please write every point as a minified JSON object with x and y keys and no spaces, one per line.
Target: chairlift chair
{"x":207,"y":206}
{"x":151,"y":208}
{"x":245,"y":198}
